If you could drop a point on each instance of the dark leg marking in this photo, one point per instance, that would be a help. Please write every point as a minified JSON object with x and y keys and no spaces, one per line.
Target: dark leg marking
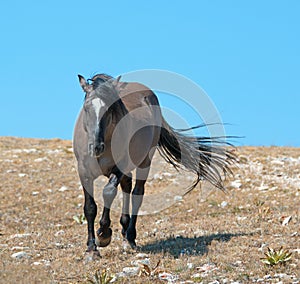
{"x":90,"y":212}
{"x":137,"y":199}
{"x":126,"y":185}
{"x":109,"y":193}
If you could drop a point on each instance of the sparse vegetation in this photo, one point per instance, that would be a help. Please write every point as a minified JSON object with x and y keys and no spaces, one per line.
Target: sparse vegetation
{"x":274,"y":257}
{"x":101,"y":277}
{"x":79,"y":219}
{"x":200,"y":238}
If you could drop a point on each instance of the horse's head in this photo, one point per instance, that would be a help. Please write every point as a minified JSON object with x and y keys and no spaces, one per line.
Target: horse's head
{"x":95,"y":116}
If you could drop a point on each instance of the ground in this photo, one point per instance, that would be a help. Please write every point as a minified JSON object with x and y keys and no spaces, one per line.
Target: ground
{"x":206,"y":236}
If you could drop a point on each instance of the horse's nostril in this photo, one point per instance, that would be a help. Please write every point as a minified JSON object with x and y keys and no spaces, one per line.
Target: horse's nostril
{"x":102,"y":147}
{"x":99,"y":149}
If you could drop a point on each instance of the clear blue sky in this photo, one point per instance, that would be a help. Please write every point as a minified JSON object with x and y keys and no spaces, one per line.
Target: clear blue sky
{"x":244,"y":54}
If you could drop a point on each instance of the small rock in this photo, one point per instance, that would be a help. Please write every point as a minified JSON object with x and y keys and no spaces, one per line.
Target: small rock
{"x":178,"y":198}
{"x":286,"y":220}
{"x":131,"y":271}
{"x":20,"y":235}
{"x":236,"y":183}
{"x":190,"y":265}
{"x":141,"y":255}
{"x":167,"y":277}
{"x":19,"y":248}
{"x":22,"y":175}
{"x":224,"y":204}
{"x":281,"y":275}
{"x":262,"y":188}
{"x":63,"y":188}
{"x":20,"y":254}
{"x":145,"y":261}
{"x":157,"y":176}
{"x":39,"y":160}
{"x":58,"y":233}
{"x":34,"y":193}
{"x":207,"y":267}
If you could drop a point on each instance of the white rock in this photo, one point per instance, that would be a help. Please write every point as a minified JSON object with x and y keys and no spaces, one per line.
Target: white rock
{"x":137,"y":262}
{"x":277,"y":162}
{"x":141,"y":255}
{"x":20,"y":254}
{"x":167,"y":277}
{"x":39,"y":160}
{"x":19,"y":248}
{"x":20,"y":236}
{"x":22,"y":175}
{"x":157,"y":176}
{"x":178,"y":198}
{"x":52,"y":152}
{"x":262,"y":188}
{"x":224,"y":204}
{"x":35,"y":193}
{"x":29,"y":150}
{"x":63,"y":188}
{"x":286,"y":220}
{"x":59,"y":233}
{"x":236,"y":183}
{"x":131,"y":271}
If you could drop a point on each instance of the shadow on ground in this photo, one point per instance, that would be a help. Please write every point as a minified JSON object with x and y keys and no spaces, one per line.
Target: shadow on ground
{"x":177,"y":246}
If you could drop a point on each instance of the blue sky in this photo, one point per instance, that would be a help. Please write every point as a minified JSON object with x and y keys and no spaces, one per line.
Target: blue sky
{"x":244,"y":54}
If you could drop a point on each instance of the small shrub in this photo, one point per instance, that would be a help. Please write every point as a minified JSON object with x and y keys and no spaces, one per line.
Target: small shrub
{"x":274,"y":257}
{"x":101,"y":277}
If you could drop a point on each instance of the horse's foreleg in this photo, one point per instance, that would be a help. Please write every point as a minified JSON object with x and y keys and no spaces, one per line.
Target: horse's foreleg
{"x":126,"y":184}
{"x":109,"y":193}
{"x":137,"y":199}
{"x":90,"y":212}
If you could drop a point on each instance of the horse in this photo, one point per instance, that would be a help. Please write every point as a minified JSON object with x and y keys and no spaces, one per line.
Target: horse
{"x":118,"y":130}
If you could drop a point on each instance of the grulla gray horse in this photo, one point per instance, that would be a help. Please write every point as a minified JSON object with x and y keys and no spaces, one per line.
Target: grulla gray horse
{"x":118,"y":130}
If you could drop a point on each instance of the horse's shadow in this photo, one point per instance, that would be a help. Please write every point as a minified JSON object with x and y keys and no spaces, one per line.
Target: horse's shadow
{"x":177,"y":246}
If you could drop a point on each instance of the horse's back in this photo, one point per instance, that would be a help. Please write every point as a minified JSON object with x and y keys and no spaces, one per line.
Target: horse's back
{"x":135,"y":95}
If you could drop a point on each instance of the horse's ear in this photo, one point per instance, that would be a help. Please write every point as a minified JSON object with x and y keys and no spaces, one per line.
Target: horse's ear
{"x":115,"y":82}
{"x":83,"y":83}
{"x":118,"y":79}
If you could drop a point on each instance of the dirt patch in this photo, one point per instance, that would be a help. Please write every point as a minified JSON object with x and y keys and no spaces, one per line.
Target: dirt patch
{"x":206,"y":236}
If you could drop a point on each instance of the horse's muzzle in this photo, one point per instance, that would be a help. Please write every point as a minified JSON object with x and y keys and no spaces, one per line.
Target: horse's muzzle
{"x":96,"y":150}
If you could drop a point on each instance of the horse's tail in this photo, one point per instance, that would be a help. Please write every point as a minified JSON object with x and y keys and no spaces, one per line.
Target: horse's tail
{"x":207,"y":157}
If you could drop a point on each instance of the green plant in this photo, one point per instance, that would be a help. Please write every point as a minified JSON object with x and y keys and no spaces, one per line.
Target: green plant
{"x":274,"y":257}
{"x":101,"y":277}
{"x":80,"y":219}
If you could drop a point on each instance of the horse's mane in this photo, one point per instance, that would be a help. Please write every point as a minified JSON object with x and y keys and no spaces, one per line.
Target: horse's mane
{"x":98,"y":79}
{"x":105,"y":88}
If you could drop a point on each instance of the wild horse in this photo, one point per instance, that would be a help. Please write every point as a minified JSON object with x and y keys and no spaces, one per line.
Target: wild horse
{"x":118,"y":130}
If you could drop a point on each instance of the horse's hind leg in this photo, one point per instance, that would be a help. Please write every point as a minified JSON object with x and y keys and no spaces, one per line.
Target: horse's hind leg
{"x":109,"y":193}
{"x":126,"y":185}
{"x":137,"y":199}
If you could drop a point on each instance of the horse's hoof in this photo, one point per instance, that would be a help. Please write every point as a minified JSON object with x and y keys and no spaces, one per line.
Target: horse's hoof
{"x":132,"y":244}
{"x":103,"y":239}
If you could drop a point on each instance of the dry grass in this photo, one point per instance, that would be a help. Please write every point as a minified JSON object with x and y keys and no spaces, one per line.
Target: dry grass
{"x":207,"y":236}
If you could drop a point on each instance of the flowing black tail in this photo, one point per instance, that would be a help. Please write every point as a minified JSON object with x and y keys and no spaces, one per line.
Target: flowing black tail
{"x":207,"y":157}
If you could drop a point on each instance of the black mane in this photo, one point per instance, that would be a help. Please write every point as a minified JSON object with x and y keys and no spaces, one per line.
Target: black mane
{"x":105,"y":88}
{"x":99,"y":79}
